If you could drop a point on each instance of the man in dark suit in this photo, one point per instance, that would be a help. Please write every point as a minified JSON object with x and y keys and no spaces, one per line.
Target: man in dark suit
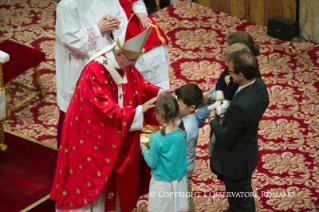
{"x":235,"y":154}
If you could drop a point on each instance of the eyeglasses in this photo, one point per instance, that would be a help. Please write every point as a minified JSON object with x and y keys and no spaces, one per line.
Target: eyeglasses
{"x":229,"y":72}
{"x":131,"y":60}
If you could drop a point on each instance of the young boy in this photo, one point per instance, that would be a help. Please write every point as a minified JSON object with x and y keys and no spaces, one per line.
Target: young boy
{"x":189,"y":97}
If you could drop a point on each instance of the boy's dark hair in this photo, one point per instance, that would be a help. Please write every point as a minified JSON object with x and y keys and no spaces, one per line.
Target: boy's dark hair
{"x":245,"y":63}
{"x":190,"y":94}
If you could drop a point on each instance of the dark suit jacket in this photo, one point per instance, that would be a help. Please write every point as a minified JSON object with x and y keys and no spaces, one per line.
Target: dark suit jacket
{"x":235,"y":154}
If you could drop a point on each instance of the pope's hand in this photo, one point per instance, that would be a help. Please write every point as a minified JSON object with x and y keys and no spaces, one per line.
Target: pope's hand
{"x":148,"y":105}
{"x":168,"y":91}
{"x":145,"y":21}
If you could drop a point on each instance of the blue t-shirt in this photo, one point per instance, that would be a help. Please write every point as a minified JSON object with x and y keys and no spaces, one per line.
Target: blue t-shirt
{"x":166,"y":155}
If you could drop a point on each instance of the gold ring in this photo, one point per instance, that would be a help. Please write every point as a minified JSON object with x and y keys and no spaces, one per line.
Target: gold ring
{"x":149,"y":104}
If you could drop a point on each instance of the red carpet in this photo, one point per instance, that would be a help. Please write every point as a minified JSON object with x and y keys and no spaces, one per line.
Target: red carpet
{"x":289,"y":130}
{"x":32,"y":23}
{"x":27,"y":171}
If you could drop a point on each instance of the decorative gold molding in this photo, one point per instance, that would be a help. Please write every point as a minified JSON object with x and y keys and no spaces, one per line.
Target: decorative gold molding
{"x":30,"y":139}
{"x":36,"y":203}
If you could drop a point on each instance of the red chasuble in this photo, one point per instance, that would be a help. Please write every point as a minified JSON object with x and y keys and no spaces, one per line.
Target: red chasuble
{"x":97,"y":151}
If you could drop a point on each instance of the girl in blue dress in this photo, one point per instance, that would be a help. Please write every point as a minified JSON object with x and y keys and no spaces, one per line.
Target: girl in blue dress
{"x":167,"y":160}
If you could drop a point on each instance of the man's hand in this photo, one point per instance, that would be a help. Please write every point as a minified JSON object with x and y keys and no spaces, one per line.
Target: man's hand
{"x":148,"y":105}
{"x":212,"y":114}
{"x":145,"y":21}
{"x":108,"y":24}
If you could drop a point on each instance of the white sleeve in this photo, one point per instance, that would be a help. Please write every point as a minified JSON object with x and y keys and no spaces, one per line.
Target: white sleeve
{"x":137,"y":123}
{"x":159,"y":92}
{"x":75,"y":39}
{"x":139,"y":7}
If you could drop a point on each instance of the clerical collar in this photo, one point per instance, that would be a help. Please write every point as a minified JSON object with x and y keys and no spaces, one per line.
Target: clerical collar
{"x":111,"y":57}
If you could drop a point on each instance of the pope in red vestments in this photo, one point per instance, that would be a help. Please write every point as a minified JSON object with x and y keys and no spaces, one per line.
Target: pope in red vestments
{"x":100,"y":150}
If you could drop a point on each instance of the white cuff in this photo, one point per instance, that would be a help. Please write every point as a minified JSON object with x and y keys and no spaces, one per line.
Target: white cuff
{"x":211,"y":119}
{"x":138,"y":120}
{"x":159,"y":92}
{"x":97,"y":31}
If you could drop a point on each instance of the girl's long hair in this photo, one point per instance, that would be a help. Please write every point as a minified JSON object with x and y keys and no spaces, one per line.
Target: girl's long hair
{"x":167,"y":106}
